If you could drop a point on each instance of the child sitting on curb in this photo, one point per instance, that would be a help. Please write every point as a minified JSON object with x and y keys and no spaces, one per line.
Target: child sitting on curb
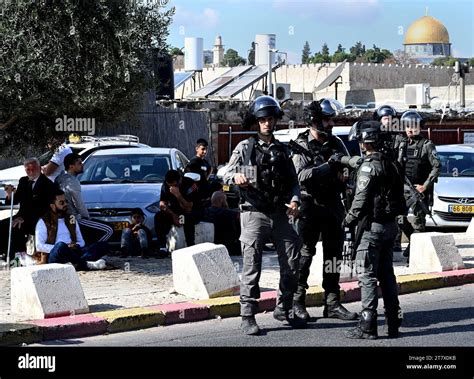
{"x":137,"y":237}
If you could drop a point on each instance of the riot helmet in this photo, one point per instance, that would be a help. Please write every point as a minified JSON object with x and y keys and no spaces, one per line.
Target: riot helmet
{"x":266,"y":106}
{"x":412,"y":120}
{"x":366,"y":132}
{"x":316,"y":111}
{"x":384,"y":110}
{"x":263,"y":106}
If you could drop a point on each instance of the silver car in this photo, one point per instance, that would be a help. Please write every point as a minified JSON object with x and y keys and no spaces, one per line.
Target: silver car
{"x":453,"y":201}
{"x":117,"y":180}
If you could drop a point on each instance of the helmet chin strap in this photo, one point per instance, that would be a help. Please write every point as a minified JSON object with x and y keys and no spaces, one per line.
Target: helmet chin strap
{"x":320,"y":129}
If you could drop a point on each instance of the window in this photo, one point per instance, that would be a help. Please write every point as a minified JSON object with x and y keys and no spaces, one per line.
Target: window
{"x":125,"y":168}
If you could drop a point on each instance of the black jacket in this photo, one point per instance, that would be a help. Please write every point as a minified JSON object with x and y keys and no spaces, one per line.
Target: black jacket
{"x":33,"y":204}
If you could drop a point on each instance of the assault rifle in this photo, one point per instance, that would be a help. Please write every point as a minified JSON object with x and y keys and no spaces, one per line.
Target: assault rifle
{"x":417,"y":198}
{"x":300,"y":149}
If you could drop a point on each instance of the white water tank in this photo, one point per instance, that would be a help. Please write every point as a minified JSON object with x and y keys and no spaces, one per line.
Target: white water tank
{"x":193,"y":54}
{"x":264,"y":42}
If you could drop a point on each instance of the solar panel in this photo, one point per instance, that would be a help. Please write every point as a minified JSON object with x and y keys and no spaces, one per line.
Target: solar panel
{"x":243,"y":82}
{"x":181,"y":77}
{"x":220,"y":82}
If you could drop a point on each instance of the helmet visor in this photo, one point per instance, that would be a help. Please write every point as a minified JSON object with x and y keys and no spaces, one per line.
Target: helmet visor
{"x":353,"y":133}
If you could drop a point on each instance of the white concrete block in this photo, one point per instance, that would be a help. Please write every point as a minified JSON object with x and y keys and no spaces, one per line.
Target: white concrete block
{"x":317,"y":267}
{"x":44,"y":291}
{"x":203,"y":232}
{"x":470,"y":229}
{"x":204,"y":271}
{"x":434,"y":252}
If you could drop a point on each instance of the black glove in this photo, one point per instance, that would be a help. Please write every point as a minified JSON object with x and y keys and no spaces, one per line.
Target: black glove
{"x":335,"y":159}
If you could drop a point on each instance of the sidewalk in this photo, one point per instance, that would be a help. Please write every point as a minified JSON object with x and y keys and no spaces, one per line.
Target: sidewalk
{"x":139,"y":293}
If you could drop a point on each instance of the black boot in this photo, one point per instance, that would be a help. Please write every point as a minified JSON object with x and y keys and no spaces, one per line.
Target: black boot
{"x":393,"y":321}
{"x":300,"y":311}
{"x":339,"y":311}
{"x":367,"y":328}
{"x":289,"y":316}
{"x":249,"y":326}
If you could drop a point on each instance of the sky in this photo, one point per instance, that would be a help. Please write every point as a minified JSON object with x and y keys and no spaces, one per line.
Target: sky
{"x":379,"y":22}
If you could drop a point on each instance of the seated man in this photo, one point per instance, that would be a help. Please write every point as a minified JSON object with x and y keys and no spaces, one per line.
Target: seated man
{"x":137,"y":237}
{"x":92,"y":230}
{"x":226,"y":223}
{"x":180,"y":205}
{"x":32,"y":194}
{"x":59,"y":240}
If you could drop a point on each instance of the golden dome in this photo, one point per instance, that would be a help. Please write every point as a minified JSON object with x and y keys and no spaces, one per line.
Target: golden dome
{"x":426,"y":29}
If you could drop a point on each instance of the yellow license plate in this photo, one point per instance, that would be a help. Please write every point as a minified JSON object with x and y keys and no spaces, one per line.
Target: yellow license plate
{"x":120,"y":225}
{"x":225,"y":187}
{"x":461,"y":208}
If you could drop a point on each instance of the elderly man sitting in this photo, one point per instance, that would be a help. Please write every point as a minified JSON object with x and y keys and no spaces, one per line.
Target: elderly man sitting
{"x":32,"y":194}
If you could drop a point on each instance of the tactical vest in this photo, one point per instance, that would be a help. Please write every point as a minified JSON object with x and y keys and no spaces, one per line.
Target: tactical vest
{"x":273,"y":183}
{"x":417,"y":167}
{"x":328,"y":187}
{"x":389,"y":200}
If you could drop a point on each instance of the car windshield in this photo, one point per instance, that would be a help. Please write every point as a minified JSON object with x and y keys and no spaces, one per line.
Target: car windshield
{"x":456,"y":163}
{"x":134,"y":168}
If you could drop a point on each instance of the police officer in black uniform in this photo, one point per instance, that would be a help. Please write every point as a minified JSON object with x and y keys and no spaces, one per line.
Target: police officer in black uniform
{"x":387,"y":116}
{"x":269,"y":188}
{"x":320,"y":174}
{"x":377,"y":202}
{"x":418,"y":156}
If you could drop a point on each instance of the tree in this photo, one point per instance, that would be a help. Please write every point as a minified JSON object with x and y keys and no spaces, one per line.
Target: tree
{"x":319,"y":58}
{"x":341,"y":56}
{"x":471,"y":62}
{"x":306,"y":53}
{"x":325,"y":49}
{"x":339,"y":49}
{"x":401,"y":57}
{"x":80,"y":59}
{"x":446,"y":61}
{"x":232,"y":58}
{"x":175,"y":51}
{"x":358,"y":49}
{"x":251,"y":56}
{"x":375,"y":55}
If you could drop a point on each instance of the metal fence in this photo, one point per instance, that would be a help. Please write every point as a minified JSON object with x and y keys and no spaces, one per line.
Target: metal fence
{"x":179,"y":128}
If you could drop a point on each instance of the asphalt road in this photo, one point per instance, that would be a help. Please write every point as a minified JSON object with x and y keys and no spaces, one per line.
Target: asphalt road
{"x":442,"y":317}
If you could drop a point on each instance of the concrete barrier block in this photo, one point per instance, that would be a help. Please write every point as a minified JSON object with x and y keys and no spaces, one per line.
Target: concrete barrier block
{"x":203,"y":232}
{"x":434,"y":252}
{"x":470,"y":229}
{"x":45,"y":291}
{"x":204,"y":271}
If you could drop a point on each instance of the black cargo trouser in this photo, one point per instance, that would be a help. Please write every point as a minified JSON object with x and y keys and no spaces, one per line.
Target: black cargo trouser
{"x":257,"y":229}
{"x":326,"y":221}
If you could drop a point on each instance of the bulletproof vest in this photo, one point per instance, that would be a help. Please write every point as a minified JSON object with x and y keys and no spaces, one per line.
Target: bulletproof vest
{"x":388,"y":200}
{"x":417,"y":167}
{"x":328,"y":186}
{"x":273,"y":181}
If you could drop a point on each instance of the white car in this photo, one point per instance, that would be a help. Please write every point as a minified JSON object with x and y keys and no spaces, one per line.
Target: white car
{"x":453,"y":200}
{"x":84,"y":146}
{"x":117,"y":180}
